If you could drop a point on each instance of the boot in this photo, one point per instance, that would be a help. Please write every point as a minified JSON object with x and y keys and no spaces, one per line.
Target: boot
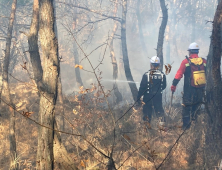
{"x":186,"y":123}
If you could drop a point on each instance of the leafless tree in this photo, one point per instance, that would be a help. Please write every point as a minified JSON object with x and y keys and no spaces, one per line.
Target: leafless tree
{"x":113,"y":58}
{"x":127,"y":69}
{"x":75,"y":49}
{"x":216,"y":61}
{"x":161,"y":32}
{"x":46,"y":77}
{"x":60,"y":96}
{"x":214,"y":90}
{"x":50,"y":147}
{"x":6,"y":90}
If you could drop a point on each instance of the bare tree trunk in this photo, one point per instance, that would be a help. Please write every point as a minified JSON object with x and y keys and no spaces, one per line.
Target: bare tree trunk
{"x":161,"y":32}
{"x":128,"y":74}
{"x":1,"y":76}
{"x":61,"y":156}
{"x":6,"y":90}
{"x":143,"y":44}
{"x":76,"y":61}
{"x":76,"y":54}
{"x":115,"y":65}
{"x":209,"y":76}
{"x":50,"y":147}
{"x":26,"y":57}
{"x":113,"y":58}
{"x":214,"y":89}
{"x":47,"y":79}
{"x":33,"y":46}
{"x":216,"y":62}
{"x":61,"y":122}
{"x":60,"y":96}
{"x":13,"y":60}
{"x":49,"y":48}
{"x":22,"y":47}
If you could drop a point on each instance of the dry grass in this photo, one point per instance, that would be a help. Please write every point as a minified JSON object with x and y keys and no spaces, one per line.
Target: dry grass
{"x":89,"y":117}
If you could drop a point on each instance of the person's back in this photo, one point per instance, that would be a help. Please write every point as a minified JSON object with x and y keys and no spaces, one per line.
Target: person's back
{"x":151,"y":87}
{"x":193,"y":69}
{"x":186,"y":71}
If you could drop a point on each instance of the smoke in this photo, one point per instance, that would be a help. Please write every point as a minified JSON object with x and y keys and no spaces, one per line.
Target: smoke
{"x":178,"y":35}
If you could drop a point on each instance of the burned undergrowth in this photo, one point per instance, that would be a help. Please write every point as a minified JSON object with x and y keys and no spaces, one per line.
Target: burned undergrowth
{"x":137,"y":145}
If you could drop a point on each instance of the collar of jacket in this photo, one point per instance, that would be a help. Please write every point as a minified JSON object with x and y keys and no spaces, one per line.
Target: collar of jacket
{"x":194,"y":56}
{"x":154,"y":70}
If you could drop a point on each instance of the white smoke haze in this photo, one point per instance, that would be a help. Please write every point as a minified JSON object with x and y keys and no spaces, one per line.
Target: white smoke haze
{"x":139,"y":63}
{"x":92,"y":35}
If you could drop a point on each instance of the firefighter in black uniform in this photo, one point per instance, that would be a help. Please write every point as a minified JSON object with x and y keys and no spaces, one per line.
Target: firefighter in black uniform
{"x":151,"y":87}
{"x":193,"y":69}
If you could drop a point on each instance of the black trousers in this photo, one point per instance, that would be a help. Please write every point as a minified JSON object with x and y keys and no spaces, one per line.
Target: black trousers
{"x":152,"y":104}
{"x":192,"y":99}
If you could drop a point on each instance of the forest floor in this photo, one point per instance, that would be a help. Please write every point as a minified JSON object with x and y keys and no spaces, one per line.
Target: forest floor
{"x":137,"y":145}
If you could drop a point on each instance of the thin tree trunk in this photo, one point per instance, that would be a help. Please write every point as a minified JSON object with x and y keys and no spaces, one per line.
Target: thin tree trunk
{"x":115,"y":66}
{"x":13,"y":60}
{"x":121,"y":70}
{"x":161,"y":32}
{"x":113,"y":58}
{"x":60,"y":96}
{"x":128,"y":74}
{"x":26,"y":57}
{"x":216,"y":62}
{"x":33,"y":46}
{"x":60,"y":103}
{"x":76,"y":54}
{"x":143,"y":44}
{"x":1,"y":78}
{"x":76,"y":61}
{"x":6,"y":90}
{"x":22,"y":47}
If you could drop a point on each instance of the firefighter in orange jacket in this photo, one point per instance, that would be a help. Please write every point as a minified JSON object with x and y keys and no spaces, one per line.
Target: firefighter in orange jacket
{"x":193,"y":69}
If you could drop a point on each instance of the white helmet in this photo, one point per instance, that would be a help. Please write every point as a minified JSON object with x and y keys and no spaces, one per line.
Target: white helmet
{"x":193,"y":46}
{"x":155,"y":60}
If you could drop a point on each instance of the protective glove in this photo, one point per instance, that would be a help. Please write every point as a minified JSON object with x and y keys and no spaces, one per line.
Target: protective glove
{"x":173,"y":88}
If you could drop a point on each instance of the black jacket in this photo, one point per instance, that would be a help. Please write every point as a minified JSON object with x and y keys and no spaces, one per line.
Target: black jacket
{"x":152,"y":84}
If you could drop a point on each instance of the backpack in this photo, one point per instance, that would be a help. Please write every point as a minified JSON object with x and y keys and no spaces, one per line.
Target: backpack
{"x":198,"y":78}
